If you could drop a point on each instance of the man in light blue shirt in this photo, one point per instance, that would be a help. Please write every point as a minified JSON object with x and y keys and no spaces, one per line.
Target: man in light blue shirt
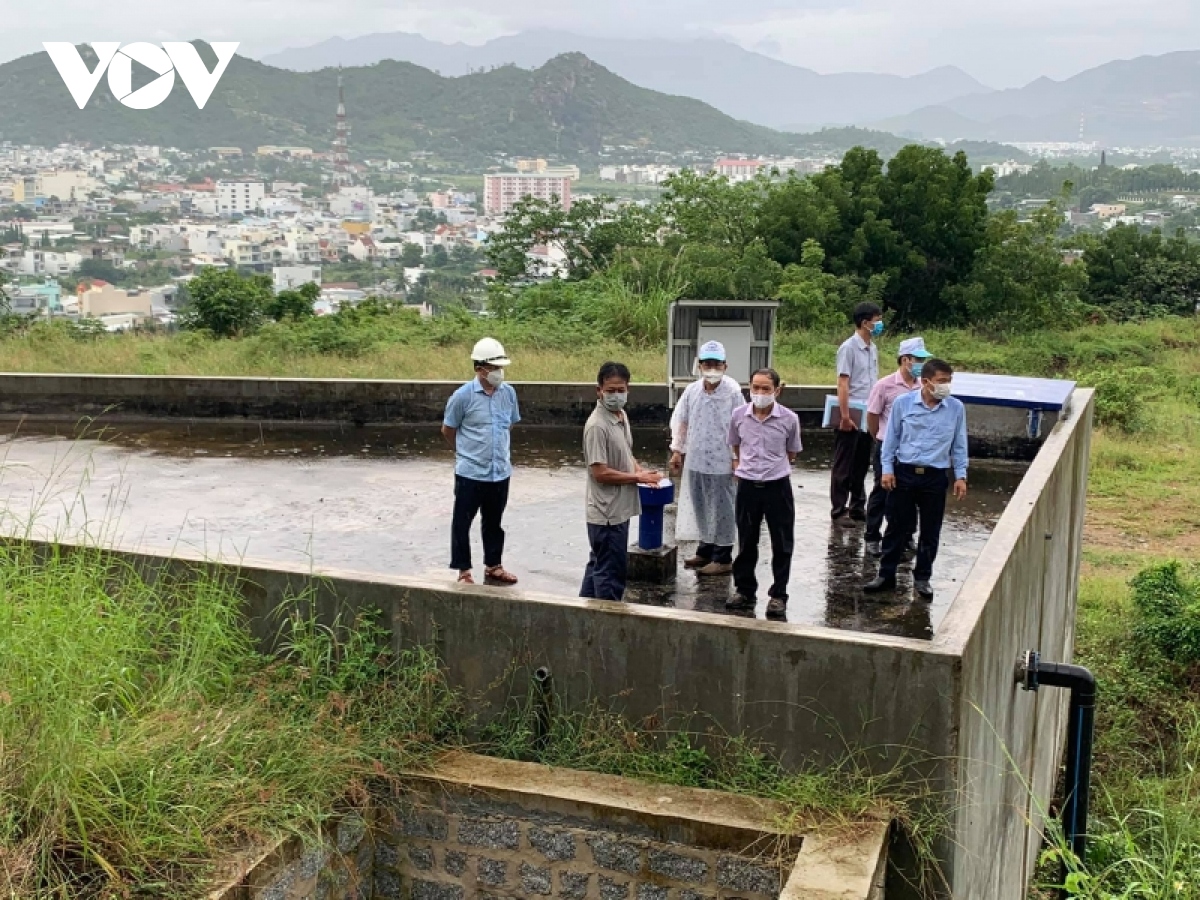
{"x":926,"y":443}
{"x":477,"y":422}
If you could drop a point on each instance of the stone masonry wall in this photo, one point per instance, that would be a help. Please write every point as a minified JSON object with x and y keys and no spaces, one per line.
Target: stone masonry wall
{"x":465,"y":848}
{"x":337,"y":866}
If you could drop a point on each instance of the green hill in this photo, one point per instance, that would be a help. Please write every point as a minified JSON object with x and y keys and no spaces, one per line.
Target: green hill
{"x":570,"y":106}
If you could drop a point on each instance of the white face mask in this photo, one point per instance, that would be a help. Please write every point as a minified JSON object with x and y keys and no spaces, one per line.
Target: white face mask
{"x":713,"y":376}
{"x":615,"y":402}
{"x":495,"y":377}
{"x":940,"y":391}
{"x":762,"y":401}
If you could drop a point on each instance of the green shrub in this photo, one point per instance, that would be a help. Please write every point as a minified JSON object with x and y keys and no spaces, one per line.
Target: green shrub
{"x":1168,"y":606}
{"x":1122,"y":394}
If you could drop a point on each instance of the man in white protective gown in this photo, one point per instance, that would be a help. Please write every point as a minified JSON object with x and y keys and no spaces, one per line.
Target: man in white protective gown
{"x":700,"y":451}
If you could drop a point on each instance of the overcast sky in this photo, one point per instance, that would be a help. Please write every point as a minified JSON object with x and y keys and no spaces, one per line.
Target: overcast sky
{"x":1002,"y":42}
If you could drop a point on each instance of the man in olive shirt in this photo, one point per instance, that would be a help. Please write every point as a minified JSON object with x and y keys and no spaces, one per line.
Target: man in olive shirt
{"x":612,"y":485}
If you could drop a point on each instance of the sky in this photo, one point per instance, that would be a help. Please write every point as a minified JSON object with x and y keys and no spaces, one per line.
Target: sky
{"x":1003,"y":44}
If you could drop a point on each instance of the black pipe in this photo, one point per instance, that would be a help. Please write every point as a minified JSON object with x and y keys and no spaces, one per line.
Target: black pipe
{"x":543,"y":699}
{"x":1032,"y":673}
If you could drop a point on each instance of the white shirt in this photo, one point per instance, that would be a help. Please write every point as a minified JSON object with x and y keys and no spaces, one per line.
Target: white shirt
{"x":700,"y":426}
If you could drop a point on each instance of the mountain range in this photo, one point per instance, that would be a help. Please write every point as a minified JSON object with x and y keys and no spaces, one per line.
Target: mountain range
{"x":739,"y":82}
{"x":570,"y":107}
{"x":1148,"y":101}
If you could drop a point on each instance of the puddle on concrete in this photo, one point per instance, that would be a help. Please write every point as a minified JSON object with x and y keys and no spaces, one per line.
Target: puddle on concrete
{"x":379,"y":499}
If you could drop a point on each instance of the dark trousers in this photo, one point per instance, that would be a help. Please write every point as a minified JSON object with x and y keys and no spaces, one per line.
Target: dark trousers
{"x":608,"y":564}
{"x":918,"y":491}
{"x":715,"y":553}
{"x":877,"y":502}
{"x":774,"y":501}
{"x":851,"y":459}
{"x":471,"y":498}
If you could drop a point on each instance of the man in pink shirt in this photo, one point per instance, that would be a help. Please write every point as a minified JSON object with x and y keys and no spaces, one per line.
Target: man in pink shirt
{"x":765,"y":437}
{"x":906,"y":378}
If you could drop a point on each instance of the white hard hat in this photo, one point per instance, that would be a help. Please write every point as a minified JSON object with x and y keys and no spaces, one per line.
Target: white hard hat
{"x":490,"y":351}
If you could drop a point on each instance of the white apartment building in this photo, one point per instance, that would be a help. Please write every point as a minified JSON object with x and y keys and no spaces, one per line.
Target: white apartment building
{"x":239,"y":197}
{"x":501,"y":192}
{"x":288,"y":277}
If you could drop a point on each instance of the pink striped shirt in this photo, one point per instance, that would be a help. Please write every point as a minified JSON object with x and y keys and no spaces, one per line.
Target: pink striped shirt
{"x":883,"y":395}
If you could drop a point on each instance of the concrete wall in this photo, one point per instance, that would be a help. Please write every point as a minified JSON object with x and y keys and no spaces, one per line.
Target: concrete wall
{"x":336,"y":865}
{"x":808,"y":691}
{"x":1021,"y":595}
{"x":995,"y":431}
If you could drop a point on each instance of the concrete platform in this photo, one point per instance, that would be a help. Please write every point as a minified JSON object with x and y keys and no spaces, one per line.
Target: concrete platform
{"x":380,"y":500}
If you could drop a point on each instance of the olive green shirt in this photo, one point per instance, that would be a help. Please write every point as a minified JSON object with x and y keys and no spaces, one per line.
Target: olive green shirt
{"x":608,"y":440}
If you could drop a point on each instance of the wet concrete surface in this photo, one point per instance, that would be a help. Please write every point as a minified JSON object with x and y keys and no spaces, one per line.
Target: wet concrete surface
{"x":380,"y":499}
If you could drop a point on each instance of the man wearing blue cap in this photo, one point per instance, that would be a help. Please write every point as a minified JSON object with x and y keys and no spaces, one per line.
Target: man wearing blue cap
{"x":700,"y":450}
{"x":906,"y":378}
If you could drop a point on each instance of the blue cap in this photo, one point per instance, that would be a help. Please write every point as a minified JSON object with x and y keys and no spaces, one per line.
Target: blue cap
{"x":712,"y":350}
{"x":914,"y":347}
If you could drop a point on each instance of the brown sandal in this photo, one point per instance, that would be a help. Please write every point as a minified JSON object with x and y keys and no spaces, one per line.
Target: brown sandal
{"x":466,"y":578}
{"x":498,"y":576}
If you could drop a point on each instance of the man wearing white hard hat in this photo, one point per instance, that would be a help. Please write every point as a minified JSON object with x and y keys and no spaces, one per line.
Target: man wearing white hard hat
{"x":478,"y":419}
{"x":907,"y":377}
{"x":700,"y":451}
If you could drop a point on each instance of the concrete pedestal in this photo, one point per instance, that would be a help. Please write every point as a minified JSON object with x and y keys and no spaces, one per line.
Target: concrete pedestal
{"x":653,"y":566}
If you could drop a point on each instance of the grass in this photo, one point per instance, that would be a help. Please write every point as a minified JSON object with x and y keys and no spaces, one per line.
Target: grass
{"x":143,"y":737}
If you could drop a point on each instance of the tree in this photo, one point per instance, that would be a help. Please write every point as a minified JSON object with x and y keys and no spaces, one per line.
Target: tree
{"x":427,"y":220}
{"x":710,"y":209}
{"x":842,"y":210}
{"x":1133,"y":275}
{"x":591,"y":234}
{"x":810,"y":297}
{"x":463,"y":255}
{"x":294,"y":304}
{"x":938,"y":209}
{"x":101,"y":269}
{"x":1020,"y":280}
{"x":439,"y":258}
{"x":412,"y":256}
{"x":225,"y":303}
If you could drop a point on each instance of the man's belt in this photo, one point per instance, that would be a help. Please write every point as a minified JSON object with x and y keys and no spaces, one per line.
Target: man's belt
{"x":920,"y":470}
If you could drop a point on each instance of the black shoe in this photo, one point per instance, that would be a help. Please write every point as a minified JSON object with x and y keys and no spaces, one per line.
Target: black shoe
{"x":924,"y":589}
{"x":844,"y":520}
{"x":879,"y":585}
{"x":858,"y":515}
{"x":776,"y":608}
{"x":875,"y":549}
{"x":911,"y":548}
{"x":740,"y":601}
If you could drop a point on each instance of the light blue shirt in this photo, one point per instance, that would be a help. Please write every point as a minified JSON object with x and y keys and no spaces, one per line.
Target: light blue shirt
{"x":482,"y":421}
{"x":920,"y":435}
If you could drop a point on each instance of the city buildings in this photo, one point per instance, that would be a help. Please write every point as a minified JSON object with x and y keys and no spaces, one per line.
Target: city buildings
{"x":739,"y":169}
{"x":502,"y":191}
{"x":239,"y":197}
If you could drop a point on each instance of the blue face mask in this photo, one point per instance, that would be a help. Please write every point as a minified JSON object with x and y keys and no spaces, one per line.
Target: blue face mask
{"x":917,"y":369}
{"x":877,"y":330}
